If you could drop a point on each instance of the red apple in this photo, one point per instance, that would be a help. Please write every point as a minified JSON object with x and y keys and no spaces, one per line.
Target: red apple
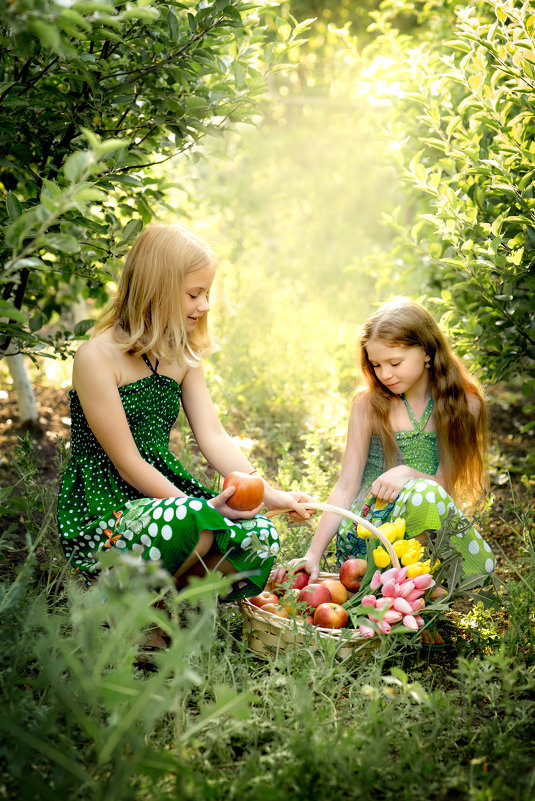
{"x":351,"y":573}
{"x":265,"y":597}
{"x":310,"y":619}
{"x":300,"y":580}
{"x":330,"y":616}
{"x":314,"y":595}
{"x":275,"y":609}
{"x":249,"y":491}
{"x":337,"y":590}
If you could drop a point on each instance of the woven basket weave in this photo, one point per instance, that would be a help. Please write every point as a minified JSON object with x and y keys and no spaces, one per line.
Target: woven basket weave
{"x":266,"y":633}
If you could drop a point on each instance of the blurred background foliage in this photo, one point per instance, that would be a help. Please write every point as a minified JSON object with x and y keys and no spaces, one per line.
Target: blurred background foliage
{"x":335,"y":153}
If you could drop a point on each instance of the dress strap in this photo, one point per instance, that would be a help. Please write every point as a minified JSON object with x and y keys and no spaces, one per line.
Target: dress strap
{"x":420,"y":424}
{"x":154,"y":370}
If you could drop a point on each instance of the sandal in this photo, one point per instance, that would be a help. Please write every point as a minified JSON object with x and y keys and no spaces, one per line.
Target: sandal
{"x":432,"y":630}
{"x":144,"y":661}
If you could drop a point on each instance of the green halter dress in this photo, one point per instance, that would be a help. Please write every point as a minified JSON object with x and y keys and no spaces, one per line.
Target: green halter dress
{"x":97,"y":509}
{"x":423,"y":503}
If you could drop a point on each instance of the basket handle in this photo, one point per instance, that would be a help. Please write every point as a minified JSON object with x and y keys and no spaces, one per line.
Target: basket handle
{"x":327,"y":507}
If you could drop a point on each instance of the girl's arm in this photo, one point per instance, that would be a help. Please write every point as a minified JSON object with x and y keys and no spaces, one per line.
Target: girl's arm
{"x":388,"y":485}
{"x":95,"y":381}
{"x":344,"y":493}
{"x":219,"y":450}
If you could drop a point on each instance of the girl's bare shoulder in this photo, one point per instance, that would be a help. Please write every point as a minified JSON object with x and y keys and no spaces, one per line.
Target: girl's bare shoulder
{"x":475,"y":404}
{"x":98,"y":356}
{"x":361,"y":402}
{"x":360,"y":415}
{"x":100,"y":348}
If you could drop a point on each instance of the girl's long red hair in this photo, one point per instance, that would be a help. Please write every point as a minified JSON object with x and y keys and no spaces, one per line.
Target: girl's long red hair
{"x":462,"y":436}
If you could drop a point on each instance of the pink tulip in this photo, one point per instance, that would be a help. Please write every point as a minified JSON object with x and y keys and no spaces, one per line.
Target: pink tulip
{"x":366,"y":631}
{"x":418,"y":605}
{"x":384,"y":627}
{"x":414,"y":595}
{"x":392,"y":616}
{"x":403,"y":606}
{"x":424,"y":581}
{"x":402,"y":575}
{"x":375,"y":583}
{"x":369,"y":600}
{"x":389,"y":589}
{"x":390,"y":575}
{"x":420,"y":621}
{"x":384,"y":603}
{"x":410,"y":622}
{"x":406,"y":588}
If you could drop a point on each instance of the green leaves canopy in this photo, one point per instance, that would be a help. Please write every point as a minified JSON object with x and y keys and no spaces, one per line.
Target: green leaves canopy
{"x":138,"y":82}
{"x":465,"y":130}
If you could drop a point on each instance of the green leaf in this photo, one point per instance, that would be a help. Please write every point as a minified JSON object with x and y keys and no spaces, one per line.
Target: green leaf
{"x":8,"y":310}
{"x":47,"y":34}
{"x":87,"y":193}
{"x":131,"y":229}
{"x":62,"y":242}
{"x":14,"y":206}
{"x":172,"y":24}
{"x":81,"y":328}
{"x":37,"y":321}
{"x":77,"y":164}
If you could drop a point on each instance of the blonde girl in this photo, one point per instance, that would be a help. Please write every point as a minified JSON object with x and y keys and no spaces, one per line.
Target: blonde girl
{"x":416,"y":441}
{"x":122,"y":487}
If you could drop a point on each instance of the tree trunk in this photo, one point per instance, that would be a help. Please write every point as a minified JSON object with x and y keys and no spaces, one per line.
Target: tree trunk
{"x":22,"y":386}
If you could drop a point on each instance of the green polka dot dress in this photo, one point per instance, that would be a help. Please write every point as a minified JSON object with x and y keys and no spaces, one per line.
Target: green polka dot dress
{"x":423,"y":503}
{"x":97,"y":509}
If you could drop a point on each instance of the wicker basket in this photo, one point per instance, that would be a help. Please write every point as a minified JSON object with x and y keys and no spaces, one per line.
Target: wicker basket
{"x":268,"y":634}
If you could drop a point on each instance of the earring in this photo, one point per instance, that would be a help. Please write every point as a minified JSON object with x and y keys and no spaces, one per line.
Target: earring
{"x":428,"y":365}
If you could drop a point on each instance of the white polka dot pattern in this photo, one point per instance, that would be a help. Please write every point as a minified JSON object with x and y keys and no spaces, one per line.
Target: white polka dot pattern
{"x":97,"y":509}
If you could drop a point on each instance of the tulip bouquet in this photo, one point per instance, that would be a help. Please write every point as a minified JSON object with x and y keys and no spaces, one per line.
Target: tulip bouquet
{"x":392,"y":598}
{"x":395,"y":597}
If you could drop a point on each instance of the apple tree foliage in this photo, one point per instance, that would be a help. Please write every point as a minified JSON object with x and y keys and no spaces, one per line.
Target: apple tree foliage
{"x":462,"y":131}
{"x":92,"y":94}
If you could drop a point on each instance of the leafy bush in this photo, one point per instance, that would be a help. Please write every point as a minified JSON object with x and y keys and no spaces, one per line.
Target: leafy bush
{"x":462,"y":130}
{"x":68,"y":76}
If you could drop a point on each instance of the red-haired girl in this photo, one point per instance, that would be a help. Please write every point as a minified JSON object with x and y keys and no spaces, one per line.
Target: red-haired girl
{"x":417,"y":439}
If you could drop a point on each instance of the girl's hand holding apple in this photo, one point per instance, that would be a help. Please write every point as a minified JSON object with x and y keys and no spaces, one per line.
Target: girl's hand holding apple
{"x":220,"y":502}
{"x":306,"y":565}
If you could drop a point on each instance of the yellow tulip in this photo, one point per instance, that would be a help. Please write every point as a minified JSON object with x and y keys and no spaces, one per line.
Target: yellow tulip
{"x":399,"y":528}
{"x":410,"y":557}
{"x":417,"y":569}
{"x":363,"y":532}
{"x":388,"y":530}
{"x":381,"y":557}
{"x":400,"y":546}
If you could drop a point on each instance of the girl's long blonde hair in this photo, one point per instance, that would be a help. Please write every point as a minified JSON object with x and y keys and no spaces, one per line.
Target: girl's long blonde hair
{"x":147,"y":310}
{"x":462,"y":438}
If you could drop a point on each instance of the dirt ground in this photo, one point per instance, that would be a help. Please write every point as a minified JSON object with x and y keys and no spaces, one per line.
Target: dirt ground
{"x":512,"y":459}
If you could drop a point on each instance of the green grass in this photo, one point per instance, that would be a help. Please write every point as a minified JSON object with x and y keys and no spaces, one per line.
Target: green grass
{"x":80,"y":720}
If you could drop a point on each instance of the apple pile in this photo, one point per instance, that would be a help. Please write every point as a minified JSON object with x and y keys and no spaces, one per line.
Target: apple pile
{"x":320,"y":603}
